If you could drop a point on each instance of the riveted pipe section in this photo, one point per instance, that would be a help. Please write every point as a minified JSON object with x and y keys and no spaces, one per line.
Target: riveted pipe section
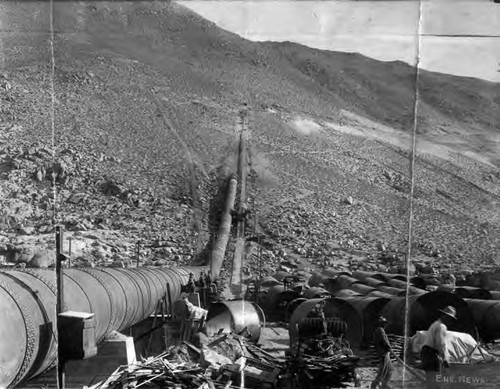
{"x":370,"y":281}
{"x":234,"y":317}
{"x":303,"y":311}
{"x":339,"y":308}
{"x":117,"y":297}
{"x":268,"y":282}
{"x":402,"y":285}
{"x":276,"y":300}
{"x":318,"y":279}
{"x":362,"y":288}
{"x":281,"y":275}
{"x":418,"y":282}
{"x":312,"y":293}
{"x":292,"y":305}
{"x":424,"y":310}
{"x":342,"y":282}
{"x":487,"y":316}
{"x":368,"y":308}
{"x":391,"y":290}
{"x":347,"y":293}
{"x":220,"y":244}
{"x":389,"y":276}
{"x":377,"y":293}
{"x":470,"y":292}
{"x":362,"y":275}
{"x":335,"y":273}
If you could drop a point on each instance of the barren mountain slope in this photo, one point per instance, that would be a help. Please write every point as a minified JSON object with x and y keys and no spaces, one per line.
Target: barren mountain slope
{"x":146,"y":97}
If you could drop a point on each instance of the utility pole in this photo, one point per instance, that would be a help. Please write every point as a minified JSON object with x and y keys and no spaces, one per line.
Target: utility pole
{"x":138,"y":254}
{"x":60,"y":258}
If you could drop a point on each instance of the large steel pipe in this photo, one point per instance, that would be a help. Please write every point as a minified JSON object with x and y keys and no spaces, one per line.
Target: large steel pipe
{"x":276,"y":299}
{"x":470,"y":292}
{"x":391,"y":290}
{"x":377,"y":293}
{"x":362,"y":288}
{"x":418,"y":282}
{"x":424,"y":310}
{"x":341,"y":282}
{"x":390,"y":276}
{"x":339,"y":308}
{"x":396,"y":283}
{"x":368,"y":309}
{"x":334,"y":308}
{"x":370,"y":281}
{"x":234,"y":317}
{"x":487,"y":316}
{"x":219,"y":249}
{"x":363,"y":275}
{"x":117,"y":297}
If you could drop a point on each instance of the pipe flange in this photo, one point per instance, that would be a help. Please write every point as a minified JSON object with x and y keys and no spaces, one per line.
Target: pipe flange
{"x":30,"y":333}
{"x":112,"y":321}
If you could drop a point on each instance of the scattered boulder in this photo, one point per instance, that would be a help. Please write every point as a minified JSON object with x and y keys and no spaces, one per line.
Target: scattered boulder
{"x":42,"y":259}
{"x":110,"y":188}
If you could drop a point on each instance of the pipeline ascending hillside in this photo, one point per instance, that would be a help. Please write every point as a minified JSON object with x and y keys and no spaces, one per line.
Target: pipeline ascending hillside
{"x":119,"y":298}
{"x":219,"y":248}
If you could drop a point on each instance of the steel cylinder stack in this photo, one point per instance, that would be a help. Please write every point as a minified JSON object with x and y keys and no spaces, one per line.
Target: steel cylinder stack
{"x":360,"y":297}
{"x":118,"y":298}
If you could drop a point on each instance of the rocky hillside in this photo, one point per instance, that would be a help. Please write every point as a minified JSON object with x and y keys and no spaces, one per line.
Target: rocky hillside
{"x":145,"y":99}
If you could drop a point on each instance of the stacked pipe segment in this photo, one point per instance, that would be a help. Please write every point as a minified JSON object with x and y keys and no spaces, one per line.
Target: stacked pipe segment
{"x":119,"y":298}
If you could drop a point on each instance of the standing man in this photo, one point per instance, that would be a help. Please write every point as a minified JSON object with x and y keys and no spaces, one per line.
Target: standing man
{"x":434,"y":353}
{"x":384,"y":350}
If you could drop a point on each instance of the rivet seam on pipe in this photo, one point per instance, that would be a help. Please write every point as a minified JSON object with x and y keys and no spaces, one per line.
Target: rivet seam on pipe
{"x":83,"y":290}
{"x":38,"y":276}
{"x":30,"y":333}
{"x":128,"y":307}
{"x":140,"y":296}
{"x":112,"y":320}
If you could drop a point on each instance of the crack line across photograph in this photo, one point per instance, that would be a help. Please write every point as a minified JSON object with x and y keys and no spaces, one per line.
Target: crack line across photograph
{"x":251,"y":194}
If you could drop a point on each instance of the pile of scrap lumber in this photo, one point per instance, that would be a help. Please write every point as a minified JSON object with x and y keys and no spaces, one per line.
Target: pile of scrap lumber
{"x":215,"y":365}
{"x":323,"y":362}
{"x":157,"y":372}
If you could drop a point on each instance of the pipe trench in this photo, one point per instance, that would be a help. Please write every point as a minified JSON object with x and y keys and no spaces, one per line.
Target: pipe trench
{"x":119,"y":298}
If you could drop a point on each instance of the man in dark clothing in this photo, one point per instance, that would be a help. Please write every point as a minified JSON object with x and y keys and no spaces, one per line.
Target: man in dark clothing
{"x":384,"y":351}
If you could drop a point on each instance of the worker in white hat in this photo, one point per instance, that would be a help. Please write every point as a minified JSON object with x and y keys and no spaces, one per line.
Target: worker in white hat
{"x":434,"y":353}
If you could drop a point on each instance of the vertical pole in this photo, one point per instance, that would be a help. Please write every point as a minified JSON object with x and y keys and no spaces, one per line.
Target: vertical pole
{"x":69,"y":252}
{"x":260,"y":259}
{"x":169,"y":296}
{"x":59,"y":307}
{"x":138,"y":253}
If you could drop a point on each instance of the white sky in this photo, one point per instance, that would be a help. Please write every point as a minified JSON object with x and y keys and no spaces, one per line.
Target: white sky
{"x":385,"y":30}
